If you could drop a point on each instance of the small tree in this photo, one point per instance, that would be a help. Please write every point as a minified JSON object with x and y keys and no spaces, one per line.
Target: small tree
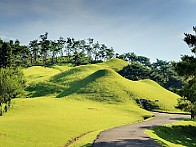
{"x":187,"y":68}
{"x":12,"y":85}
{"x":45,"y":45}
{"x":34,"y":48}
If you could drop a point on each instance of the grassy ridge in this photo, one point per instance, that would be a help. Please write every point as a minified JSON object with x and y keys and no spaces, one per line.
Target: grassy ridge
{"x":100,"y":82}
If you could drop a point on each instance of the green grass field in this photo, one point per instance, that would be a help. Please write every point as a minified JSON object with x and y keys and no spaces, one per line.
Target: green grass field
{"x":179,"y":134}
{"x":52,"y":122}
{"x":69,"y":102}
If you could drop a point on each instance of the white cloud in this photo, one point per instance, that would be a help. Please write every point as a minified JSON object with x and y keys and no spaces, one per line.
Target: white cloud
{"x":7,"y":37}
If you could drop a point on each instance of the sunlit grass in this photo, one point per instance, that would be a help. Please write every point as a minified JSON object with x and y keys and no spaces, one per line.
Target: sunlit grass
{"x":66,"y":102}
{"x":52,"y":122}
{"x":115,"y":64}
{"x":39,"y":74}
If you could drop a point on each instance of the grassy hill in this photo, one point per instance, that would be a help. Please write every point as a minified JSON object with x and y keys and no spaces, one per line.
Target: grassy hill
{"x":78,"y":102}
{"x":98,"y":82}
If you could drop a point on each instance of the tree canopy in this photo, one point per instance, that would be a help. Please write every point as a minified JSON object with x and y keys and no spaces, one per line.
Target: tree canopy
{"x":160,"y":71}
{"x":187,"y":68}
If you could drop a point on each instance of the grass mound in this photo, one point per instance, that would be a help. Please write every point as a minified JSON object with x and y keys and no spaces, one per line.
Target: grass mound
{"x":104,"y":86}
{"x":161,"y":98}
{"x":97,"y":82}
{"x":166,"y":135}
{"x":50,"y":81}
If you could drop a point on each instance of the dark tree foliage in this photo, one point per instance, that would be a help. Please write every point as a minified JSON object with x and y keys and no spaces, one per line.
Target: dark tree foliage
{"x":12,"y":54}
{"x":135,"y":71}
{"x":47,"y":52}
{"x":6,"y":57}
{"x":160,"y":71}
{"x":187,"y":68}
{"x":34,"y":49}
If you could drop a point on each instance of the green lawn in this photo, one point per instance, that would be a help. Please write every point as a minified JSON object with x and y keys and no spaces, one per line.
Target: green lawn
{"x":52,"y":122}
{"x":179,"y":134}
{"x":67,"y":102}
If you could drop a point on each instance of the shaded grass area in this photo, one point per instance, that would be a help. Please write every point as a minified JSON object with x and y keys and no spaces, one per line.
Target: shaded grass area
{"x":44,"y":89}
{"x":75,"y":86}
{"x":182,"y":133}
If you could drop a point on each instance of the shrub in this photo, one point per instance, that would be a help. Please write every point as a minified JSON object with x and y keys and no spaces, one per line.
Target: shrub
{"x":12,"y":85}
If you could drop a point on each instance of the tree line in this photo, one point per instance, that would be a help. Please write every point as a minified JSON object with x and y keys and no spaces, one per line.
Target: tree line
{"x":47,"y":52}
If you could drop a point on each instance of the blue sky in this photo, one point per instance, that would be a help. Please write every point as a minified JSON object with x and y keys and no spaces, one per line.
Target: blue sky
{"x":152,"y":28}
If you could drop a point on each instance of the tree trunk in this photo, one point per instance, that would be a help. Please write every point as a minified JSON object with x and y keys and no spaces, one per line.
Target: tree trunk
{"x":1,"y":111}
{"x":192,"y":114}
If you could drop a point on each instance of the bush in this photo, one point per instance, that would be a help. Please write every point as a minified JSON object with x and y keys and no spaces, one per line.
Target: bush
{"x":12,"y":85}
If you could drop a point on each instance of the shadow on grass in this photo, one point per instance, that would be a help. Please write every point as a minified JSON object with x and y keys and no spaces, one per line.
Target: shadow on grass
{"x":54,"y":86}
{"x":60,"y":78}
{"x":43,"y":89}
{"x":87,"y":145}
{"x":77,"y":85}
{"x":144,"y":142}
{"x":184,"y":135}
{"x":152,"y":105}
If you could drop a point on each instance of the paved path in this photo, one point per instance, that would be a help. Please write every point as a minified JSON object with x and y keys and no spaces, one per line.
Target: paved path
{"x":133,"y":135}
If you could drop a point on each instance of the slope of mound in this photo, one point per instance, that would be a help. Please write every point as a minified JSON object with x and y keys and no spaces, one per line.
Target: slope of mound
{"x":158,"y":97}
{"x":54,"y":80}
{"x":106,"y":85}
{"x":103,"y":85}
{"x":38,"y":73}
{"x":115,"y":64}
{"x":74,"y":74}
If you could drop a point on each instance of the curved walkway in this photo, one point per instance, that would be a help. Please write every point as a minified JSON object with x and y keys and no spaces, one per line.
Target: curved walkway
{"x":133,"y":135}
